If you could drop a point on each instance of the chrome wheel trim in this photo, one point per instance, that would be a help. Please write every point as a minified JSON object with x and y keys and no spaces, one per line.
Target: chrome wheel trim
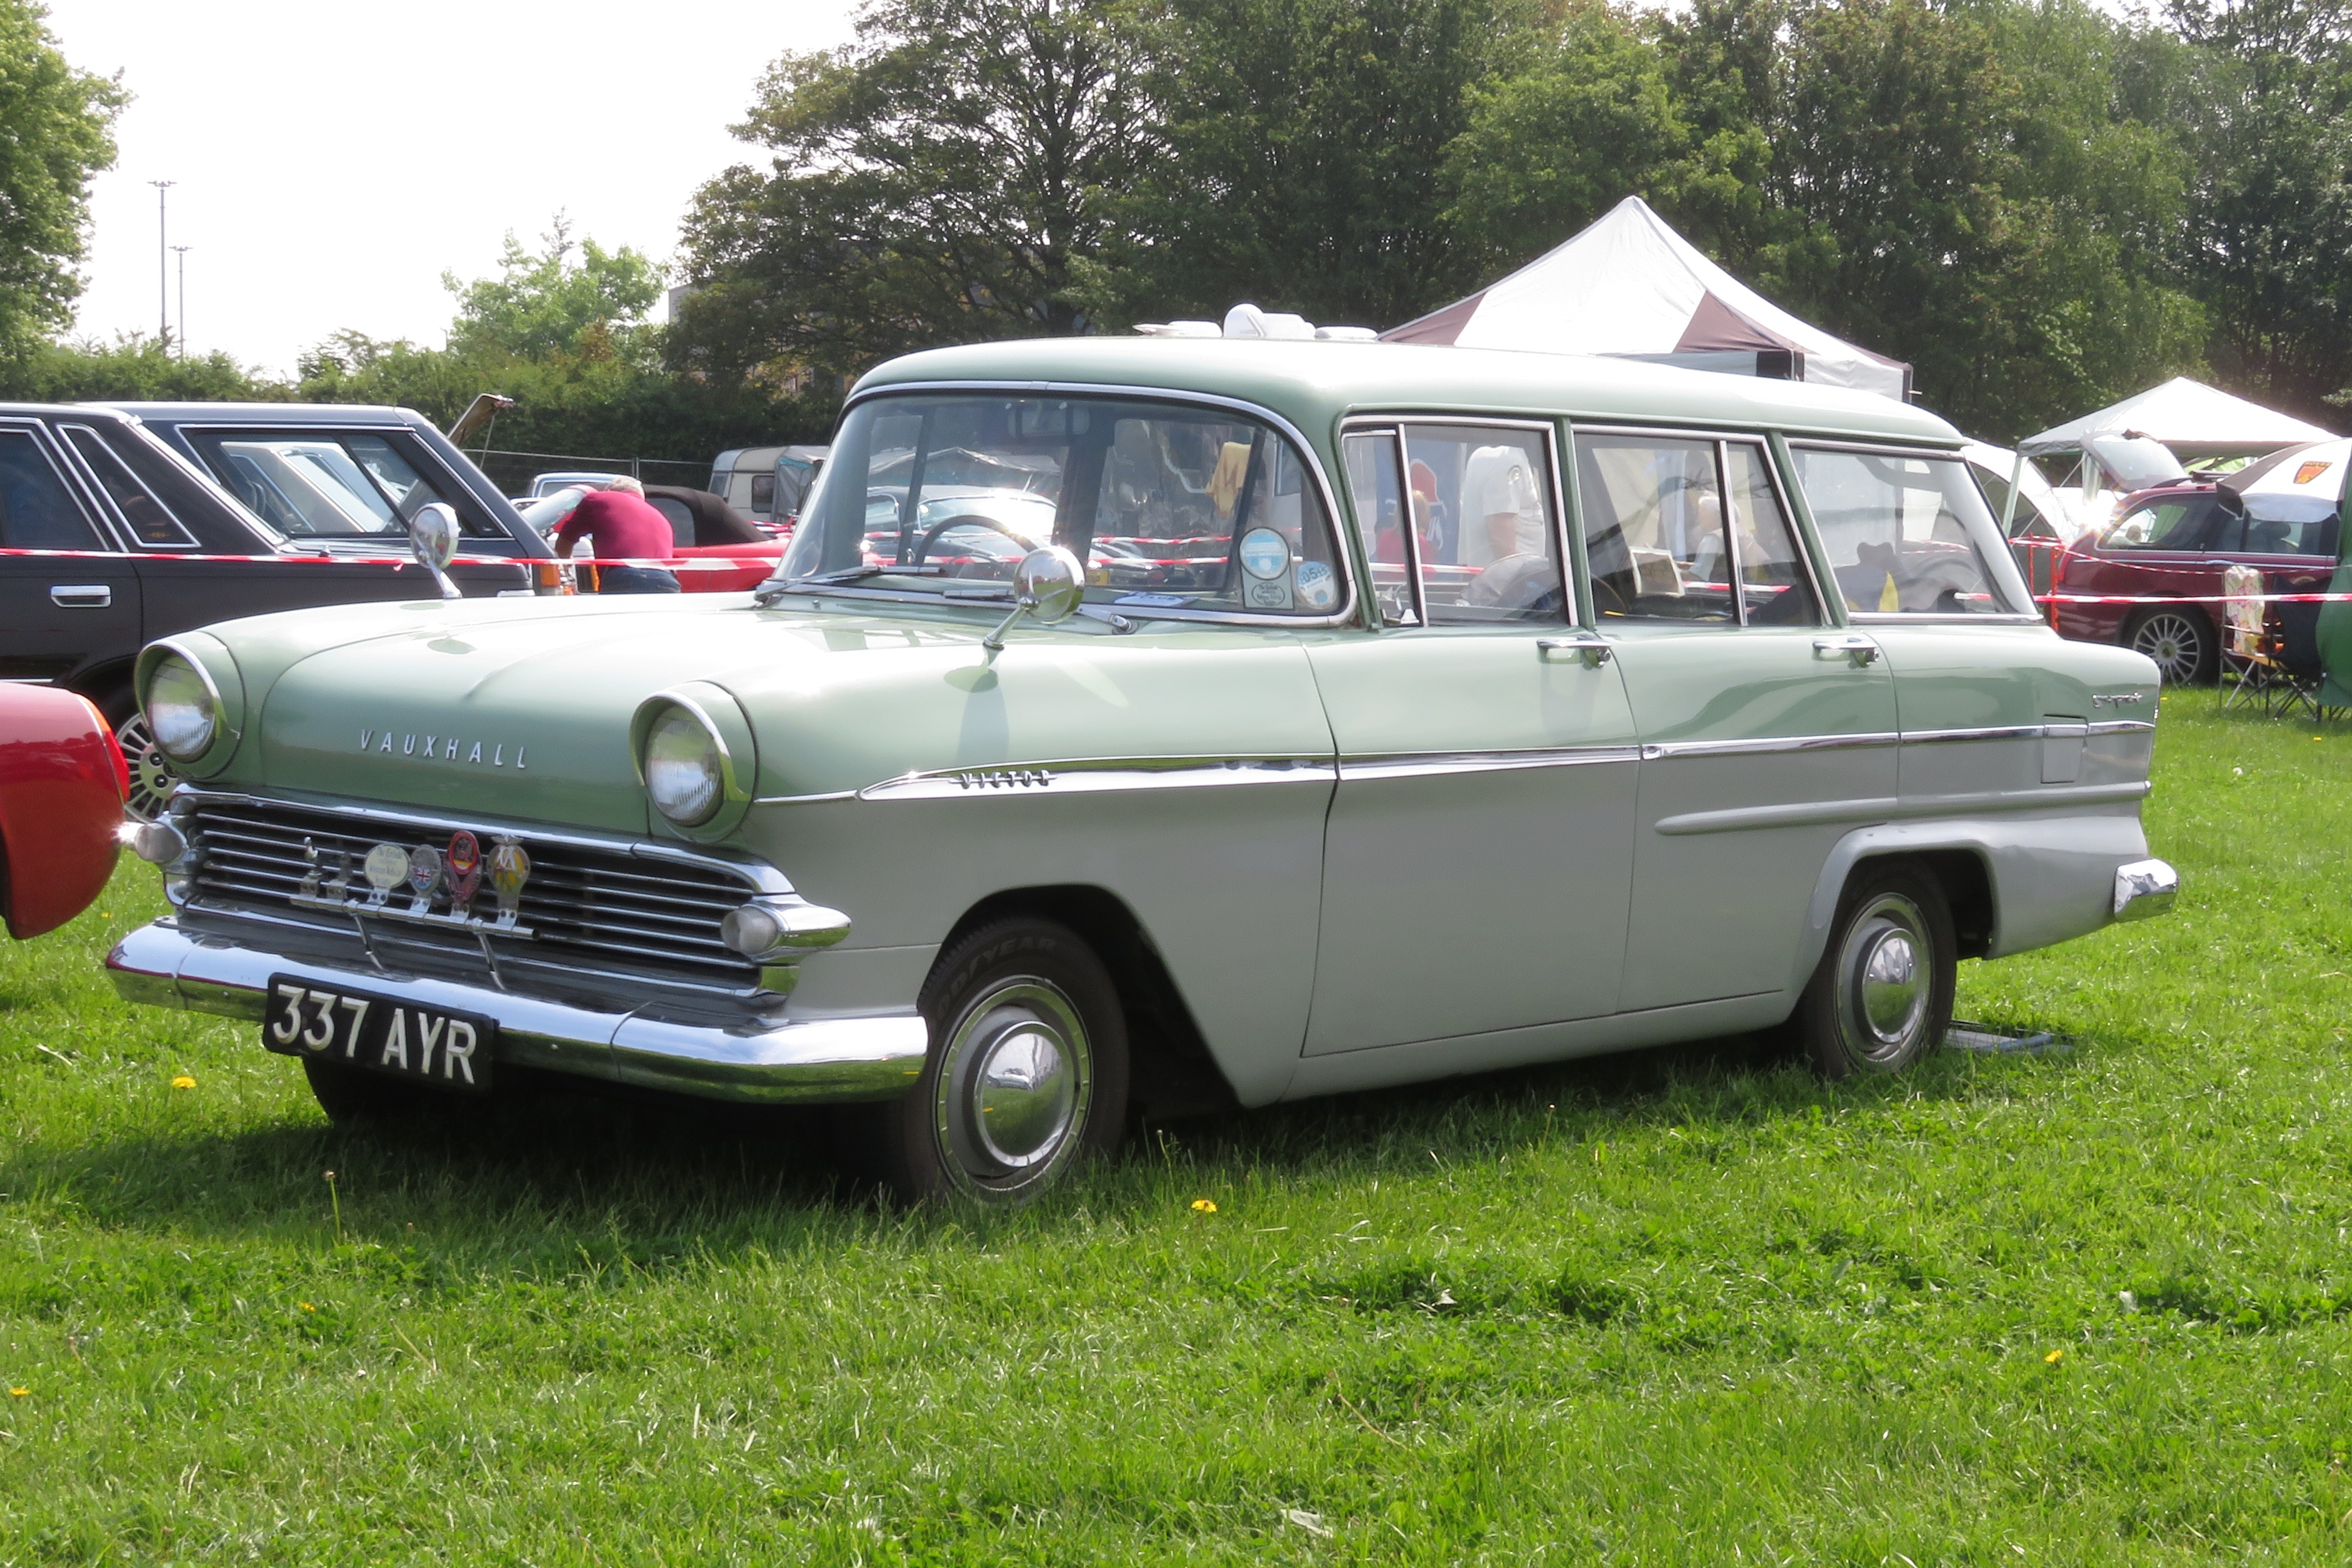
{"x":1009,"y":1106}
{"x":1885,"y":970}
{"x":152,"y":779}
{"x":2176,"y":642}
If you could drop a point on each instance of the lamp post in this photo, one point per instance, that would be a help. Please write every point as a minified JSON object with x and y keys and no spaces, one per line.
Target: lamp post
{"x":163,"y":264}
{"x":181,"y":252}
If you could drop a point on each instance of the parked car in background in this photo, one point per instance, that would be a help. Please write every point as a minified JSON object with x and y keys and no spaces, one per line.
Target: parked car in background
{"x":2279,"y":514}
{"x":1433,"y":760}
{"x":153,"y":518}
{"x":767,"y":484}
{"x":62,"y":782}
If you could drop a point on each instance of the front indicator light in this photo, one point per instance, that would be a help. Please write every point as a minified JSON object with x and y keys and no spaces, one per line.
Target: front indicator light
{"x":782,"y":930}
{"x":182,"y":712}
{"x":685,"y":773}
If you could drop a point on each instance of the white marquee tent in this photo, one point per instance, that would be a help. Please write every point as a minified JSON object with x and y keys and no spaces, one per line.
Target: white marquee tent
{"x":1630,"y":287}
{"x":2191,"y":418}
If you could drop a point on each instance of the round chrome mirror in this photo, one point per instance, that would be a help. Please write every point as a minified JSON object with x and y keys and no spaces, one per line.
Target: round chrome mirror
{"x":432,"y":535}
{"x":1049,"y":583}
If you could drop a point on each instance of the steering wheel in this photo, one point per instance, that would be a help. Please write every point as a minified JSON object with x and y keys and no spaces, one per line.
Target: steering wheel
{"x":1606,"y":599}
{"x":931,"y":535}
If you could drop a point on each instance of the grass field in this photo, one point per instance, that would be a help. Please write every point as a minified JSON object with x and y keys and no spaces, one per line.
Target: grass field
{"x":1689,"y":1307}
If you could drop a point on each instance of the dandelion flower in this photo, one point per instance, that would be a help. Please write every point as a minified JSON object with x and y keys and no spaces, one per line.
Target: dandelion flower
{"x":306,"y":1306}
{"x":2054,"y":1357}
{"x":184,"y":1081}
{"x":18,"y":1392}
{"x":331,"y":1176}
{"x":1204,"y":1206}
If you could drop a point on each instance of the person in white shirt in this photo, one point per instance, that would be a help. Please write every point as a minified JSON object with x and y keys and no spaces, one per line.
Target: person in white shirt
{"x":1501,"y":511}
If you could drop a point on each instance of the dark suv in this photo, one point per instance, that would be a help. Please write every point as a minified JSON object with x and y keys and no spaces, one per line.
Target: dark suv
{"x":122,"y":523}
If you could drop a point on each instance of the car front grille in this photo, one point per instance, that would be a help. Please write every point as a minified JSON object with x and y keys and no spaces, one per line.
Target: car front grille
{"x":594,"y":905}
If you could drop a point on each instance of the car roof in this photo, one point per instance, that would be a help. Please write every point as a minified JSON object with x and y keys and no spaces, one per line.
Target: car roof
{"x":323,"y":414}
{"x":1318,"y":383}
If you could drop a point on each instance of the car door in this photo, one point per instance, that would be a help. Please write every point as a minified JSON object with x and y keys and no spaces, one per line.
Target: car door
{"x":1477,"y":856}
{"x":1768,"y":730}
{"x":72,"y":619}
{"x":1916,"y":556}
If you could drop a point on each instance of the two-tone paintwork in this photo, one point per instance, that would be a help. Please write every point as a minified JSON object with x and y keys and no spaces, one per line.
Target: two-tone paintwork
{"x":1364,"y":854}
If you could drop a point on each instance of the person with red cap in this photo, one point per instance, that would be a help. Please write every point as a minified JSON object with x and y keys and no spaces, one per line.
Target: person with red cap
{"x":623,"y":526}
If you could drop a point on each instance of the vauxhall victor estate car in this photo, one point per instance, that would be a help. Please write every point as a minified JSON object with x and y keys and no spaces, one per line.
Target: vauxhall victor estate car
{"x":1132,"y":722}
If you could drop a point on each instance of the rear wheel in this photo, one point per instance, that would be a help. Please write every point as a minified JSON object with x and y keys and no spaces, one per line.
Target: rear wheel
{"x":1027,"y":1074}
{"x":1882,"y":998}
{"x":2181,"y":641}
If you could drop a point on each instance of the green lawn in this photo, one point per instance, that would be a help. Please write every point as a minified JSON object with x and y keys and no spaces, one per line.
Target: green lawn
{"x":1685,"y":1307}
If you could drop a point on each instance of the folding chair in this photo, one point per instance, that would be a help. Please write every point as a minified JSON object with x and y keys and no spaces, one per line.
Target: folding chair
{"x":2255,"y":650}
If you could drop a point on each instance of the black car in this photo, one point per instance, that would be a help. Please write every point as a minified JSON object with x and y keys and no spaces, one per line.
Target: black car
{"x":145,"y":519}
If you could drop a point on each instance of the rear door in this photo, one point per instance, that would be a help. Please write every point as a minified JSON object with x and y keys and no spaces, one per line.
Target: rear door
{"x":71,"y":617}
{"x":1768,"y":730}
{"x":1479,"y":852}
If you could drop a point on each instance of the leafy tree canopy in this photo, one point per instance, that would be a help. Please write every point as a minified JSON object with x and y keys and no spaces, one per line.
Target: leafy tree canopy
{"x":553,"y":302}
{"x":55,"y":131}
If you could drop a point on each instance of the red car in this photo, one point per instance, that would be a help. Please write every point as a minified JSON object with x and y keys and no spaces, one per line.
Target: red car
{"x":2176,"y":541}
{"x":62,"y":782}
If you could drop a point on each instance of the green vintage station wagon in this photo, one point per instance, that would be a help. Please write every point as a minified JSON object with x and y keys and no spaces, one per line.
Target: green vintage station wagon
{"x":1161,"y":722}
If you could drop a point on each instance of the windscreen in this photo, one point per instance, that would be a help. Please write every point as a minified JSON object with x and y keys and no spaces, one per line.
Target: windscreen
{"x":1169,"y":507}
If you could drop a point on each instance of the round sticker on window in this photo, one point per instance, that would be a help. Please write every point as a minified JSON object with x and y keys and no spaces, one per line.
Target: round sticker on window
{"x":1318,"y":588}
{"x":1264,"y":553}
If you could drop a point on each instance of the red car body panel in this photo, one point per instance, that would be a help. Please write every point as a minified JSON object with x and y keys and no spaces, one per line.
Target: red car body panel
{"x":62,"y":782}
{"x":758,"y":565}
{"x":2090,"y":567}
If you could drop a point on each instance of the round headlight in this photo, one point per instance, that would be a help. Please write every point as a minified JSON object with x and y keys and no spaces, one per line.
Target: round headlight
{"x":182,"y":714}
{"x":685,"y":774}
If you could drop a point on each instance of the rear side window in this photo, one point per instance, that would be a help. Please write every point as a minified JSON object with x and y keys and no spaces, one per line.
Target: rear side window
{"x":151,"y":522}
{"x":1908,"y":535}
{"x":680,"y":515}
{"x":36,"y":510}
{"x":325,"y":484}
{"x":2179,"y":522}
{"x":1690,"y":530}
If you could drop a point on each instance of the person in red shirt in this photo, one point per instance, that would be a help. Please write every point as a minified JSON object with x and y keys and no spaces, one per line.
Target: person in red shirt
{"x":622,"y":525}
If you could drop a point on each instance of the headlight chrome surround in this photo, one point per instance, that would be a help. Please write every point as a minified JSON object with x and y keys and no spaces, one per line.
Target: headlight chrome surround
{"x":694,"y":754}
{"x":205,"y":743}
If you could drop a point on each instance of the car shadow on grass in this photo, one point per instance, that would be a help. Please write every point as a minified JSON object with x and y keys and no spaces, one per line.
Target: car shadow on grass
{"x":562,"y":1165}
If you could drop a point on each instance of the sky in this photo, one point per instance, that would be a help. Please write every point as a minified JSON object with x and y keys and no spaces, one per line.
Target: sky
{"x":331,"y":161}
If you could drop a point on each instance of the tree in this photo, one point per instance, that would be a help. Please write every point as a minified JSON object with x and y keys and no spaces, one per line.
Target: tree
{"x":1309,"y":143}
{"x":546,"y":304}
{"x":55,"y":131}
{"x":942,"y":179}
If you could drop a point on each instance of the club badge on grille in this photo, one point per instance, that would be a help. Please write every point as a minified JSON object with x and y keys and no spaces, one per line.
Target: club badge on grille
{"x":509,"y":869}
{"x":386,"y":868}
{"x":462,"y":867}
{"x":423,"y":876}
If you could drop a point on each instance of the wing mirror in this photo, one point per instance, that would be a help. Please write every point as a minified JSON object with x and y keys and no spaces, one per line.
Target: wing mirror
{"x":1048,"y":587}
{"x":432,"y":535}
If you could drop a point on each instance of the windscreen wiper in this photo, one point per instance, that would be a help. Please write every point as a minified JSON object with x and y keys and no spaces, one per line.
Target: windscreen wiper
{"x":846,"y":574}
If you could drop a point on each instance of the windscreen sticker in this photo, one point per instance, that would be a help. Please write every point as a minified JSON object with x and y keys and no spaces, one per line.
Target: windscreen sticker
{"x":1155,"y":600}
{"x":1318,"y":588}
{"x":1265,"y":554}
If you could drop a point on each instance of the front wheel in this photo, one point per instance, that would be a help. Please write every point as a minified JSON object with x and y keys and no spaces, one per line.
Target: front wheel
{"x":2181,"y":641}
{"x":1027,"y":1074}
{"x":151,"y":779}
{"x":1882,"y":998}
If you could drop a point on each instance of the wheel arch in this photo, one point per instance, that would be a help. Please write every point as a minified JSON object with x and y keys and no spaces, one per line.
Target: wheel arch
{"x":1170,"y":1070}
{"x":1959,"y":861}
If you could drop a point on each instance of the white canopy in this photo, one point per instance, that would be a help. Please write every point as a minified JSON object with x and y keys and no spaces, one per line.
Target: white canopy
{"x":2193,"y":419}
{"x":1629,"y":285}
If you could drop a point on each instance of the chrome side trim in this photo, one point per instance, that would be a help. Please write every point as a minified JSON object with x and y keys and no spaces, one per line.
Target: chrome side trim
{"x":1883,"y":808}
{"x":1095,"y":774}
{"x":1658,"y":751}
{"x":1434,"y":764}
{"x":872,"y":1058}
{"x":1997,"y":732}
{"x":2145,"y":888}
{"x":2116,"y":725}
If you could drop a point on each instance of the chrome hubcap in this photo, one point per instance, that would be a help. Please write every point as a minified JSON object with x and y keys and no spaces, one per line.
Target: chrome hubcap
{"x":2173,"y":643}
{"x":1887,"y":968}
{"x":151,"y":780}
{"x":1013,"y":1088}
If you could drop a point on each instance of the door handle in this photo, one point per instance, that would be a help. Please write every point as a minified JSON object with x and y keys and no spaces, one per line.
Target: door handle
{"x":1861,"y":650}
{"x":1591,"y":646}
{"x":81,"y":596}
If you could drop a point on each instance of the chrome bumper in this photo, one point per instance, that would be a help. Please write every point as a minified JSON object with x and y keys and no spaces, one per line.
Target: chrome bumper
{"x":874,"y":1057}
{"x":2143,"y":888}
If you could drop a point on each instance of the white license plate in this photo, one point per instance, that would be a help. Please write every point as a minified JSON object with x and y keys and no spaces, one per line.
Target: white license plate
{"x":421,"y":1045}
